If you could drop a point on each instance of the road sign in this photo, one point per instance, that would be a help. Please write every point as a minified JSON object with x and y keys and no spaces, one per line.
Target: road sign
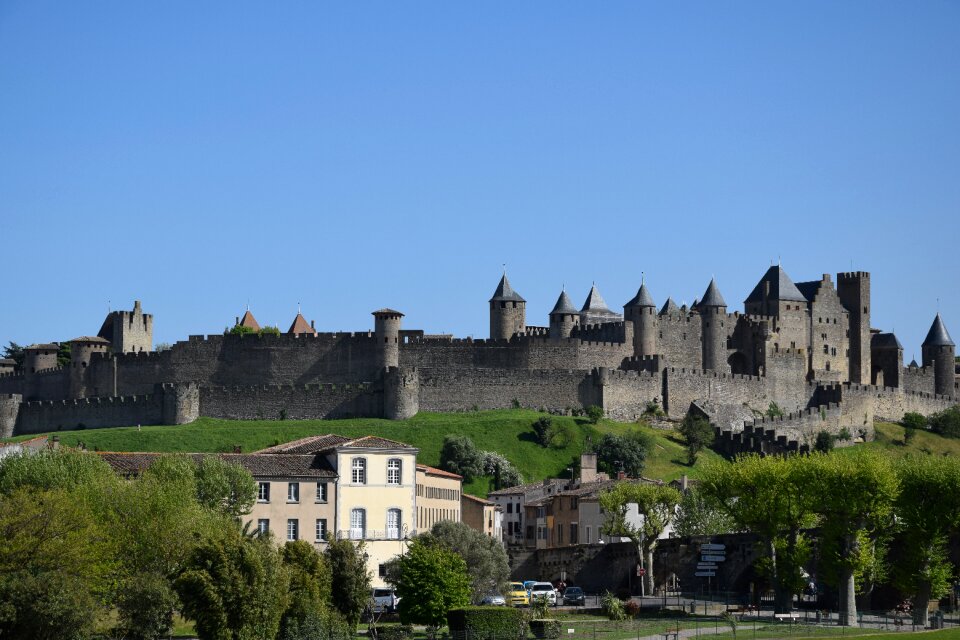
{"x":706,"y":558}
{"x":713,"y":547}
{"x":705,"y":574}
{"x":641,"y":571}
{"x":706,"y":565}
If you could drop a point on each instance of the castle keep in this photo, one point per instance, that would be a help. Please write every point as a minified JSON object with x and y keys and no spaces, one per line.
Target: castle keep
{"x":808,"y":347}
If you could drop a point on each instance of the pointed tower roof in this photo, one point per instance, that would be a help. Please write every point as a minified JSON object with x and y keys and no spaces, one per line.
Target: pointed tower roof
{"x":913,"y":364}
{"x":669,"y":307}
{"x":564,"y":304}
{"x":249,"y":321}
{"x":781,"y":287}
{"x":300,"y":325}
{"x":505,"y":292}
{"x":642,"y":299}
{"x":938,"y":335}
{"x":594,"y":301}
{"x":711,"y":297}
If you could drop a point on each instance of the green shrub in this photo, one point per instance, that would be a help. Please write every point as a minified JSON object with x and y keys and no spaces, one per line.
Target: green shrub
{"x":946,"y":423}
{"x":594,"y":413}
{"x":612,"y":607}
{"x":774,"y":410}
{"x":545,"y":628}
{"x":913,"y":420}
{"x":844,"y":434}
{"x":487,"y":623}
{"x":824,"y":442}
{"x":544,"y":429}
{"x":395,"y":632}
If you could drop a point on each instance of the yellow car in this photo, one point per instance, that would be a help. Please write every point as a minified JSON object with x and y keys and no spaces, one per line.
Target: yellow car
{"x":516,"y":595}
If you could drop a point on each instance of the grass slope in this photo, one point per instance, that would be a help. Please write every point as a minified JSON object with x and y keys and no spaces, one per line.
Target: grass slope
{"x":890,"y":440}
{"x":508,"y":432}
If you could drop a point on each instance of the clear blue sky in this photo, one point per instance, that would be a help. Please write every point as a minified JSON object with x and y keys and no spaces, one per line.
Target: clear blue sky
{"x":199,"y":154}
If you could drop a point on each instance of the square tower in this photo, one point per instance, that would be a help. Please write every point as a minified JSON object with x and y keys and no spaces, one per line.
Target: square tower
{"x":854,"y":291}
{"x":128,"y":331}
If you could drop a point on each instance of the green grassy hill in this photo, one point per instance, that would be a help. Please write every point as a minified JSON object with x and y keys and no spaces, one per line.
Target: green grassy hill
{"x":508,"y":432}
{"x":890,"y":440}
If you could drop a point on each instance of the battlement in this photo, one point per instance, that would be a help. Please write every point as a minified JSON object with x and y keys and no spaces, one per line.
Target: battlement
{"x":536,"y":331}
{"x":853,"y":275}
{"x":90,"y":402}
{"x":824,"y":411}
{"x":499,"y":342}
{"x":621,"y":374}
{"x":700,"y":373}
{"x":50,"y":371}
{"x":12,"y":375}
{"x":11,"y":396}
{"x":282,"y":388}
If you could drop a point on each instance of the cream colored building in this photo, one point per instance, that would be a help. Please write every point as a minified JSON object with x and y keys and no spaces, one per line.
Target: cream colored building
{"x":438,"y":497}
{"x":484,"y":516}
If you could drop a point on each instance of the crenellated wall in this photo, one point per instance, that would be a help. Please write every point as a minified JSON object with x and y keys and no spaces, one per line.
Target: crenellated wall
{"x":465,"y":389}
{"x":292,"y":402}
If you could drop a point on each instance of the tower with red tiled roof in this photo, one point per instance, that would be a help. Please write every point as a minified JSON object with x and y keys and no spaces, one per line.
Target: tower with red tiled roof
{"x":300,"y":326}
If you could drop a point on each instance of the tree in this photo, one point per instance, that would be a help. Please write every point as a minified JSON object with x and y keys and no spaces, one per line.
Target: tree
{"x":697,"y":433}
{"x":946,"y":422}
{"x":54,"y":469}
{"x":627,"y":453}
{"x":14,"y":352}
{"x":854,"y":497}
{"x":234,"y":587}
{"x":773,"y":498}
{"x":824,"y":442}
{"x":594,"y":413}
{"x":268,"y":330}
{"x":912,"y":420}
{"x":310,"y":579}
{"x":430,"y":581}
{"x":224,"y":487}
{"x":502,"y":471}
{"x":240,"y":330}
{"x":544,"y":430}
{"x":459,"y":455}
{"x":487,"y":562}
{"x":350,"y":581}
{"x":63,"y":354}
{"x":928,"y":509}
{"x":699,"y":516}
{"x":54,"y":566}
{"x":655,"y":503}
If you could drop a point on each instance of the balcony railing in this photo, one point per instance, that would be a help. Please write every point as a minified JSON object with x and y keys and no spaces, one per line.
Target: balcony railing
{"x":369,"y":534}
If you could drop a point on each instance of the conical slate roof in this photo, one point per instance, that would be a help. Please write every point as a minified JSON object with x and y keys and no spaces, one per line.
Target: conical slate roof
{"x":712,"y":297}
{"x":505,"y":292}
{"x":564,"y":305}
{"x":781,"y":287}
{"x":594,"y":301}
{"x":938,"y":335}
{"x":669,"y":307}
{"x":300,"y":325}
{"x":249,"y":321}
{"x":913,"y":364}
{"x":642,"y":299}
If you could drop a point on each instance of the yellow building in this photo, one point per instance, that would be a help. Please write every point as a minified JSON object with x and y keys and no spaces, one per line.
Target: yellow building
{"x":438,"y":497}
{"x":484,"y":516}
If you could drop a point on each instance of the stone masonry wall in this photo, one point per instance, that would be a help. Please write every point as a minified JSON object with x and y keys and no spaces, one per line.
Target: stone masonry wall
{"x":90,"y":413}
{"x":462,"y":390}
{"x":297,"y":402}
{"x":625,"y":394}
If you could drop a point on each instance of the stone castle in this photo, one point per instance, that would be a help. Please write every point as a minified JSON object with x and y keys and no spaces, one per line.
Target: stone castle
{"x":808,"y":347}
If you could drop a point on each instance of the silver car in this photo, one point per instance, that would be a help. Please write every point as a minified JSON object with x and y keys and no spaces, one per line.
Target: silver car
{"x":385,"y":599}
{"x":494,"y":599}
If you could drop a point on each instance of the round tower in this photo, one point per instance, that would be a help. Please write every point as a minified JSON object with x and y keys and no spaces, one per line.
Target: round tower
{"x":401,"y":394}
{"x":508,"y":312}
{"x":38,"y":357}
{"x":81,"y":352}
{"x":940,"y":352}
{"x":642,"y":312}
{"x":713,"y":318}
{"x":564,"y":317}
{"x":386,"y":328}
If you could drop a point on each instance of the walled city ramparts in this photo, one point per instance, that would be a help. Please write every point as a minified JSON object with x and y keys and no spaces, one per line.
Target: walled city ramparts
{"x":805,"y":348}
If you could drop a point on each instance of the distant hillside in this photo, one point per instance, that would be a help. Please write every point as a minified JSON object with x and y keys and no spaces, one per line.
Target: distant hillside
{"x":508,"y":432}
{"x":890,"y":439}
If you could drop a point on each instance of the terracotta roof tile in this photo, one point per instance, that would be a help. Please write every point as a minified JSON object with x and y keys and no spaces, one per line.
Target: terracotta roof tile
{"x":433,"y":471}
{"x":249,"y":321}
{"x":300,"y":325}
{"x":301,"y":466}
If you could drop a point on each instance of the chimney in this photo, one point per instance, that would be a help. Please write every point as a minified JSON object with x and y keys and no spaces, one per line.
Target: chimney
{"x":238,"y":320}
{"x":311,"y":325}
{"x":237,"y":448}
{"x":621,"y":475}
{"x":588,"y":467}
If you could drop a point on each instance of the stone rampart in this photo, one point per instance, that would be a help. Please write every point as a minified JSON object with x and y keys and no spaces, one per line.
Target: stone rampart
{"x":683,"y":386}
{"x":624,"y":394}
{"x":465,"y":389}
{"x":89,"y":413}
{"x":292,"y":402}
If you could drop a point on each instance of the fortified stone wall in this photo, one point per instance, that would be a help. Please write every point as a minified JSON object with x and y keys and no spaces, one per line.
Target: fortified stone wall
{"x":917,"y":380}
{"x":624,"y":394}
{"x":293,"y":402}
{"x":464,"y":389}
{"x":679,"y":337}
{"x":683,"y":386}
{"x":12,"y":383}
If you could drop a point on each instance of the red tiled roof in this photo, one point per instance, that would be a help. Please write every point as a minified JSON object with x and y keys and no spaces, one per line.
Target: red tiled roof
{"x":317,"y":444}
{"x":249,"y":321}
{"x":294,"y":466}
{"x":466,"y":496}
{"x":433,"y":471}
{"x":300,"y":325}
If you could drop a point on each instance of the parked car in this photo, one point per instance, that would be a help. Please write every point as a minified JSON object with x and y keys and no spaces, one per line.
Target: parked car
{"x":494,"y":599}
{"x":543,"y":591}
{"x":517,"y":595}
{"x":385,"y":599}
{"x":574,"y":596}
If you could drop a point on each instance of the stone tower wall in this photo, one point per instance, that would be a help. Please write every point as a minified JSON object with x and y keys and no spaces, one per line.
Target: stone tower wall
{"x":563,"y":324}
{"x":132,"y":330}
{"x":714,"y":330}
{"x":943,"y":361}
{"x":9,"y":411}
{"x":507,"y":317}
{"x":401,"y":393}
{"x":387,"y":334}
{"x":854,"y":291}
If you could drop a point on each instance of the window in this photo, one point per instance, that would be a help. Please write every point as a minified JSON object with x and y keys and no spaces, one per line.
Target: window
{"x":393,"y":471}
{"x":574,"y":529}
{"x":359,"y":469}
{"x":293,"y":492}
{"x":263,"y":492}
{"x":509,"y":528}
{"x":321,"y":492}
{"x":393,"y":524}
{"x":293,"y":530}
{"x":509,"y":507}
{"x":382,"y":569}
{"x":588,"y":536}
{"x":263,"y":525}
{"x":321,"y":529}
{"x":358,"y":524}
{"x":574,"y":503}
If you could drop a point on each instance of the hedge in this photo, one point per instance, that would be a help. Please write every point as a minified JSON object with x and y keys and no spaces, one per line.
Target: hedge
{"x":545,"y":628}
{"x":487,"y":623}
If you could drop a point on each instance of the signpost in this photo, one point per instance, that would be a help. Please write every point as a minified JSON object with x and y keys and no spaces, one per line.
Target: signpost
{"x":711,"y":553}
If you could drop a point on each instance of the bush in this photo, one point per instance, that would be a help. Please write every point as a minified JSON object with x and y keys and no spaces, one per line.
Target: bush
{"x":544,"y":429}
{"x":946,"y":423}
{"x":395,"y":632}
{"x":824,"y":442}
{"x":844,"y":434}
{"x":774,"y":410}
{"x":627,"y":453}
{"x":545,"y":628}
{"x":324,"y":624}
{"x":612,"y":607}
{"x":697,"y":433}
{"x":632,"y":608}
{"x":594,"y":413}
{"x":487,"y":623}
{"x":913,"y":420}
